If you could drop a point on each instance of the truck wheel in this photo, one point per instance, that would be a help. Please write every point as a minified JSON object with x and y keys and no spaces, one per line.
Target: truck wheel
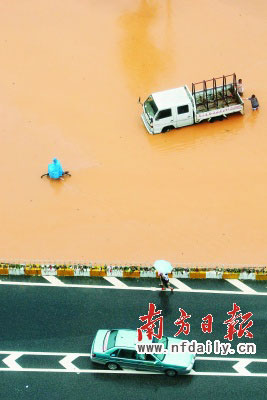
{"x":112,"y":366}
{"x":167,"y":129}
{"x":170,"y":372}
{"x":220,"y":118}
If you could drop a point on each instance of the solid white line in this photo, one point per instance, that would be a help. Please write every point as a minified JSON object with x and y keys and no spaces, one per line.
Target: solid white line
{"x":55,"y":281}
{"x":46,"y":353}
{"x":228,"y":374}
{"x":115,"y":281}
{"x":133,"y":372}
{"x":180,"y":285}
{"x":240,"y":285}
{"x":80,"y":371}
{"x":77,"y":286}
{"x":232,"y":359}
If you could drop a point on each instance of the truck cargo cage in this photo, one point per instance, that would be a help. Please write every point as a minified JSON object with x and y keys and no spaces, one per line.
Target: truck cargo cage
{"x":215,"y":93}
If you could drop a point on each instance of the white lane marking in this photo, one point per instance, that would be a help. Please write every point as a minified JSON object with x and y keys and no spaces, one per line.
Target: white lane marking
{"x":240,"y":285}
{"x":241,"y":365}
{"x":229,"y":292}
{"x":55,"y":281}
{"x":115,"y":281}
{"x":180,"y":285}
{"x":122,"y":372}
{"x":10,"y":361}
{"x":227,"y":374}
{"x":66,"y":362}
{"x":85,"y":371}
{"x":45,"y":353}
{"x":53,"y":353}
{"x":232,"y":359}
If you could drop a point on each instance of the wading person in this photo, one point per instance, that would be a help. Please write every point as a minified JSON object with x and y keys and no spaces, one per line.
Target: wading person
{"x":165,"y":282}
{"x":254,"y":102}
{"x":55,"y":170}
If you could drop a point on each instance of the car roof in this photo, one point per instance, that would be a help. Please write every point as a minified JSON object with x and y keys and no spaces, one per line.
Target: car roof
{"x":128,"y":338}
{"x":170,"y":98}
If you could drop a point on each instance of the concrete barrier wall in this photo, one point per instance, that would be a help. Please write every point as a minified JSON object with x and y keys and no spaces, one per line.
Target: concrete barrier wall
{"x":130,"y":271}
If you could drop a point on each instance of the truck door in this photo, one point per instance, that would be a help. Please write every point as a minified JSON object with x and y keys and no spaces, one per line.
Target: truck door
{"x":163,"y":120}
{"x":184,"y":115}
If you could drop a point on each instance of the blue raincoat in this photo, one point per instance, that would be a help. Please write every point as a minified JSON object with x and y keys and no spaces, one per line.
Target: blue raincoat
{"x":55,"y":170}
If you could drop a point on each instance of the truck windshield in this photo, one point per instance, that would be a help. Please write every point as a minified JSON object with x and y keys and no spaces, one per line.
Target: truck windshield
{"x":150,"y":107}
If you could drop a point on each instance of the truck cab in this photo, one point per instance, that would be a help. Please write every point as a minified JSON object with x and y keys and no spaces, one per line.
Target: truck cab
{"x":169,"y":109}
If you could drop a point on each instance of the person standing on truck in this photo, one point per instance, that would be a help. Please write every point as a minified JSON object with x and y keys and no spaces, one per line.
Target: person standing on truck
{"x":240,"y":88}
{"x":254,"y":102}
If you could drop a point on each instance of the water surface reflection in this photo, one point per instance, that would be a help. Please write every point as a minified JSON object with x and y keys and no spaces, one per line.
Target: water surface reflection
{"x":146,"y":54}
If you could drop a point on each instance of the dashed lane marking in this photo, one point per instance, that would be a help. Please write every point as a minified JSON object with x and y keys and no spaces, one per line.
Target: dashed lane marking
{"x":55,"y":281}
{"x":78,"y":286}
{"x":180,"y":285}
{"x":242,"y":286}
{"x":115,"y":281}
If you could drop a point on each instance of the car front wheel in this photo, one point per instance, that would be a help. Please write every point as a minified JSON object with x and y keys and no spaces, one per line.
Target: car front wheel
{"x":170,"y":372}
{"x":112,"y":366}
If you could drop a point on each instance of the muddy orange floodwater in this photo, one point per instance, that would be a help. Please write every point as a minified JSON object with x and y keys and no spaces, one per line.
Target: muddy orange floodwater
{"x":70,"y":76}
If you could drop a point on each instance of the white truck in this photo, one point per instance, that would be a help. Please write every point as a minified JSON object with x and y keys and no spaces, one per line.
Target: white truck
{"x":175,"y":108}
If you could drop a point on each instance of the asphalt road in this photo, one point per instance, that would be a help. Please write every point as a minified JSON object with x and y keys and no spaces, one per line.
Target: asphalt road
{"x":65,"y":319}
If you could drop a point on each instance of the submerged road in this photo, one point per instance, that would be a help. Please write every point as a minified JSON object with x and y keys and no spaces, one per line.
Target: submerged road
{"x":46,"y":334}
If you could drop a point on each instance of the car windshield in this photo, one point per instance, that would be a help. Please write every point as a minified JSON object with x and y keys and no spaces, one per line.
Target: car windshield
{"x":112,"y":339}
{"x":150,"y":107}
{"x":163,"y":340}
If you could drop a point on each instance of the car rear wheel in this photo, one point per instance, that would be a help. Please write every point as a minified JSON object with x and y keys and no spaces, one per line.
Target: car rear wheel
{"x":112,"y":366}
{"x":170,"y":372}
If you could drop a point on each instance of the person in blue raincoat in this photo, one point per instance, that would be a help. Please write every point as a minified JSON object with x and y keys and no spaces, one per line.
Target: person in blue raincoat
{"x":55,"y":170}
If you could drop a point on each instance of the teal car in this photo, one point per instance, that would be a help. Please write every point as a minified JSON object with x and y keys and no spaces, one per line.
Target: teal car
{"x":116,"y":349}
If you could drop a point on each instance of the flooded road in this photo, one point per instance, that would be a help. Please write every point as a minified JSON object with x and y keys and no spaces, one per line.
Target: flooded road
{"x":70,"y":78}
